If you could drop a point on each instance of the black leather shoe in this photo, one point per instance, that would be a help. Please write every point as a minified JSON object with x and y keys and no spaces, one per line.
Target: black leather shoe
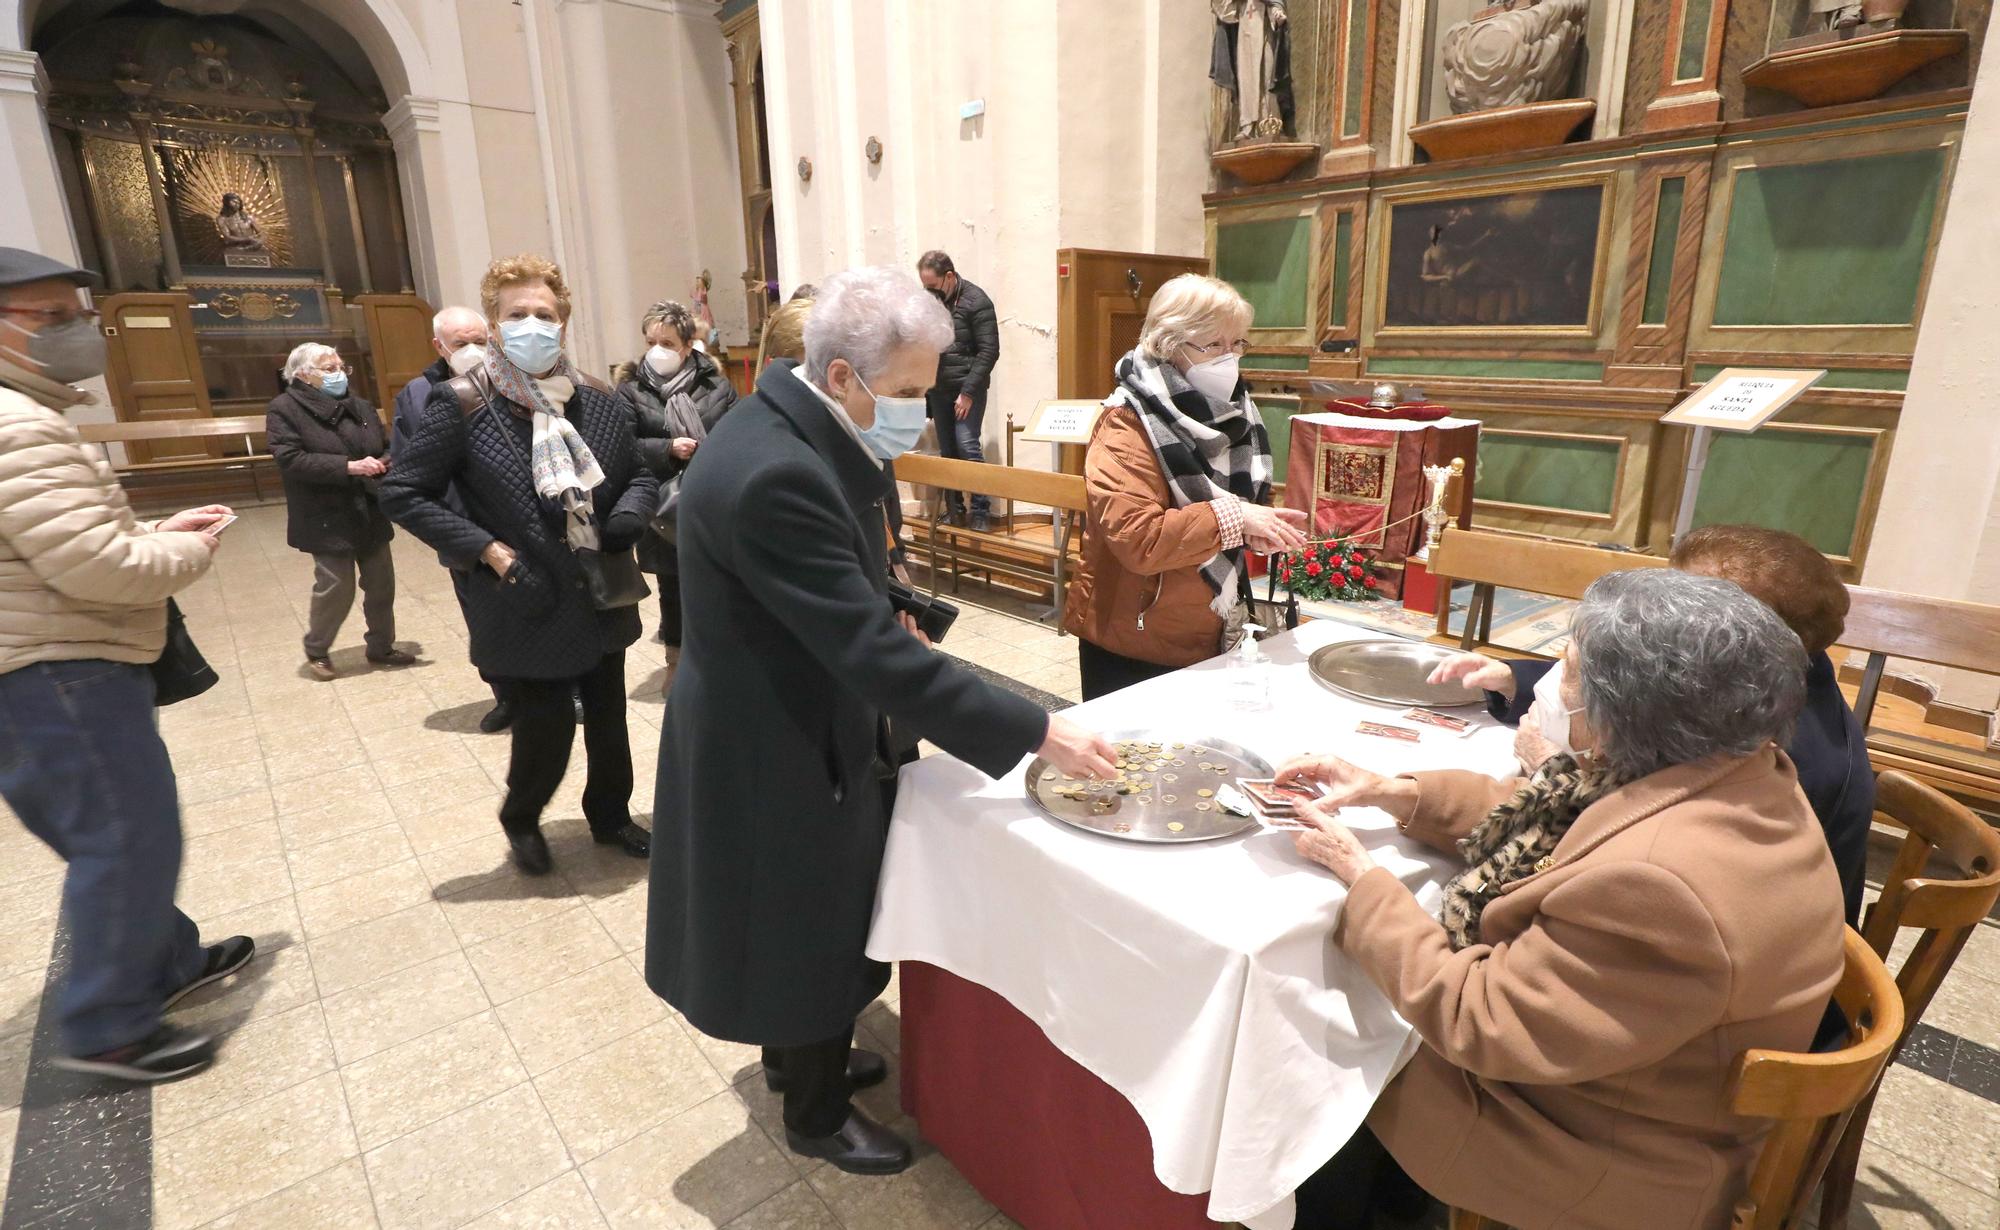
{"x":497,"y":719}
{"x":981,"y":523}
{"x":861,"y":1146}
{"x":630,"y":838}
{"x":865,"y":1070}
{"x":531,"y":853}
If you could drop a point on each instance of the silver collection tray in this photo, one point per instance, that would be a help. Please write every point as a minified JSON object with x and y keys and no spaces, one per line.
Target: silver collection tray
{"x":1148,"y":816}
{"x":1389,"y":672}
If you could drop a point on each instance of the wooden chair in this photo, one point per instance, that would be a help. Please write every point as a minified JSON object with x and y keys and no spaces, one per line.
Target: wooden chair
{"x":1946,"y":909}
{"x":1810,"y":1098}
{"x":1948,"y":749}
{"x":1538,"y":565}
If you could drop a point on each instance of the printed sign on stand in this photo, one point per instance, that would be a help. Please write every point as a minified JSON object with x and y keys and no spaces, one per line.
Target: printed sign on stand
{"x":1063,"y":421}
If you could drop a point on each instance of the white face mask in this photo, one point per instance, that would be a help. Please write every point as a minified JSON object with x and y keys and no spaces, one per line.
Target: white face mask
{"x":1552,"y":718}
{"x":465,"y":358}
{"x":663,"y":361}
{"x":1216,"y":379}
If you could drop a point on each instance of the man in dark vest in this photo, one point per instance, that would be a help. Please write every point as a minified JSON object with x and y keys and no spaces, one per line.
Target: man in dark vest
{"x":799,"y":692}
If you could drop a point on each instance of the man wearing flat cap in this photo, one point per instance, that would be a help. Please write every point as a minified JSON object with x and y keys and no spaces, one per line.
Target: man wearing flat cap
{"x":84,"y":586}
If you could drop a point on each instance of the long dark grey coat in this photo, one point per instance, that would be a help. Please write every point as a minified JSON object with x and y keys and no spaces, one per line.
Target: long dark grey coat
{"x":312,"y":437}
{"x":769,"y":816}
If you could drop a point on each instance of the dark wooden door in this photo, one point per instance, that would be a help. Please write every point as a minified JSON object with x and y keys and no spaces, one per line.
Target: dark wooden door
{"x":155,"y":368}
{"x":399,"y":344}
{"x":1102,"y":305}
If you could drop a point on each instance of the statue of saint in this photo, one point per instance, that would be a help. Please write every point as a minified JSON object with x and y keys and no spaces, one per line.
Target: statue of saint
{"x":1252,"y":60}
{"x":1834,"y":16}
{"x":1515,"y":52}
{"x":238,"y":228}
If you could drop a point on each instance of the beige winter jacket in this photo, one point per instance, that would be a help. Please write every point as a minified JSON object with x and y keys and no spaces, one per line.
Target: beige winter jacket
{"x":80,"y":576}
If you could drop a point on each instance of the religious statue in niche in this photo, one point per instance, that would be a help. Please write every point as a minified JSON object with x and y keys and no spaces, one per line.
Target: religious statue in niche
{"x":1844,"y":51}
{"x":1252,"y":61}
{"x":1513,"y":52}
{"x":242,"y":239}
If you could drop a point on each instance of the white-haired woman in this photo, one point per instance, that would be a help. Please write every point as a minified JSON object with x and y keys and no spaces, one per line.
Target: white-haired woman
{"x":794,"y":659}
{"x":1653,"y":901}
{"x":1179,"y":479}
{"x":331,"y":453}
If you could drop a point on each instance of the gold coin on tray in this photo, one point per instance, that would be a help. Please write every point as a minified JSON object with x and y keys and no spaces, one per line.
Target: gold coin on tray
{"x":1206,"y":794}
{"x":1175,"y":827}
{"x":1203,"y":806}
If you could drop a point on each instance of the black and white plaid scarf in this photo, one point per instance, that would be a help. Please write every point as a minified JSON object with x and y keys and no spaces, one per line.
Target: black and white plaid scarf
{"x":1518,"y":839}
{"x":1205,"y":448}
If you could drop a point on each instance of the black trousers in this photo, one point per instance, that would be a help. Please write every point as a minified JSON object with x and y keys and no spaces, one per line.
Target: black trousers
{"x":545,"y":728}
{"x":1105,"y":672}
{"x":1356,"y":1183}
{"x":458,"y":583}
{"x":817,"y":1091}
{"x":667,"y":579}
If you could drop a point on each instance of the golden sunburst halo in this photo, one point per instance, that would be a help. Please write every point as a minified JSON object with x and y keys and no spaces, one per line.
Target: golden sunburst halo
{"x":201,"y":177}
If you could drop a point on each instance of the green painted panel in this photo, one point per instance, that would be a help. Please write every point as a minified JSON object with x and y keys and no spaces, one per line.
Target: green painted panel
{"x":1893,"y":379}
{"x":1277,"y":362}
{"x":1357,"y":68}
{"x":1694,"y":41}
{"x":1549,"y":472}
{"x":1811,"y":483}
{"x":1270,"y":263}
{"x":1278,"y":412}
{"x":1518,"y":369}
{"x":1666,"y":232}
{"x":1839,"y":242}
{"x":1343,"y":242}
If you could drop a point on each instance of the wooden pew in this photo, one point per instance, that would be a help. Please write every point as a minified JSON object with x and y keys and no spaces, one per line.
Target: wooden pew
{"x":1539,"y":565}
{"x":1938,"y":632}
{"x":249,"y":429}
{"x":983,"y":551}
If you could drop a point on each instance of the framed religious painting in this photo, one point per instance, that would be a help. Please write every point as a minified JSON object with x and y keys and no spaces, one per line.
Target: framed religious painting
{"x":1525,"y":261}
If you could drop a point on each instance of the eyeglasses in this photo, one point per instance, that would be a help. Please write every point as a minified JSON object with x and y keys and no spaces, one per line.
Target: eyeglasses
{"x":344,"y":369}
{"x":52,"y":316}
{"x":1240,"y":346}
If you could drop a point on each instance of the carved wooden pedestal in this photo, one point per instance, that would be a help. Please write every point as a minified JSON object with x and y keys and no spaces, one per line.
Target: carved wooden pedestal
{"x":1265,"y":162}
{"x":1503,"y":129}
{"x":1854,"y":69}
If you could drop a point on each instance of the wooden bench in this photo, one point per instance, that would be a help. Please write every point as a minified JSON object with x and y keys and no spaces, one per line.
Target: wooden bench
{"x":247,"y":429}
{"x":983,"y":551}
{"x":1539,"y":565}
{"x":1945,"y":746}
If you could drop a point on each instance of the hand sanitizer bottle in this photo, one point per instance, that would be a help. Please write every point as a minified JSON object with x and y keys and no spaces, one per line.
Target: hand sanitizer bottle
{"x":1249,"y":682}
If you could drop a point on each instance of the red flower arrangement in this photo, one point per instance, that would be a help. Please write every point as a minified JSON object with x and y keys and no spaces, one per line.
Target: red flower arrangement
{"x":1328,"y":570}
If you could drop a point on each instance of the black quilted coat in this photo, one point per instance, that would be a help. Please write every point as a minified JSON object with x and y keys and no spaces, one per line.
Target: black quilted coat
{"x":543,"y":626}
{"x":312,"y":437}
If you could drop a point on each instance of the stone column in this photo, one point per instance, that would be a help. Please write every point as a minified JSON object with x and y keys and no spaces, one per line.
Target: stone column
{"x":34,"y":213}
{"x":1937,"y":531}
{"x":444,"y":200}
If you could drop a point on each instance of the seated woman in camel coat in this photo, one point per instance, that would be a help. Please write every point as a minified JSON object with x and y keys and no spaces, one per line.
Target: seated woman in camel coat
{"x":1654,"y":901}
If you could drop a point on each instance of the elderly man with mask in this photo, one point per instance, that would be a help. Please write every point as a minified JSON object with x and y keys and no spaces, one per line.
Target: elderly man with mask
{"x":799,"y":691}
{"x":83,"y":610}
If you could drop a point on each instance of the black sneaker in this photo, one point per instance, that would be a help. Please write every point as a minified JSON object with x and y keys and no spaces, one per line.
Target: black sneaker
{"x":224,"y":959}
{"x":163,"y":1055}
{"x":497,"y":719}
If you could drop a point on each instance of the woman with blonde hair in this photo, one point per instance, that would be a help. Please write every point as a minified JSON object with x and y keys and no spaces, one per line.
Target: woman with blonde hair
{"x":1179,"y":482}
{"x":546,"y":463}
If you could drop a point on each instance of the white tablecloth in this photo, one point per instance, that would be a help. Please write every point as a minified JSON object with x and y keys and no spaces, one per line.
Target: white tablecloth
{"x":1196,"y":980}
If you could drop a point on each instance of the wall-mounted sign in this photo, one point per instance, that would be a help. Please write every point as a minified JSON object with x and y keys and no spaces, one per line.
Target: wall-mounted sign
{"x":1743,"y":398}
{"x":1063,"y":422}
{"x":147,"y":322}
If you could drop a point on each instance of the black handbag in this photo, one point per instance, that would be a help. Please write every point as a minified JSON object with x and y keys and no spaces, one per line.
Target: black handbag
{"x":1267,"y":612}
{"x":667,"y":514}
{"x":180,"y":673}
{"x":614,"y":577}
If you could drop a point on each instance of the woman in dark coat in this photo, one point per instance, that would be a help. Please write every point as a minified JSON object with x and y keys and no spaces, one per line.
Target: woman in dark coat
{"x":331,"y":453}
{"x":777,"y":765}
{"x":545,"y":461}
{"x":677,"y":395}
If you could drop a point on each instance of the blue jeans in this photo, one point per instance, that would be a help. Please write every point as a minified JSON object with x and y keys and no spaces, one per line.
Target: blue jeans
{"x":959,"y":438}
{"x":82,"y":764}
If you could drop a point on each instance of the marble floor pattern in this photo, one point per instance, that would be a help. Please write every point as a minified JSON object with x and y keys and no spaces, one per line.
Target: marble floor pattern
{"x":428,"y":1040}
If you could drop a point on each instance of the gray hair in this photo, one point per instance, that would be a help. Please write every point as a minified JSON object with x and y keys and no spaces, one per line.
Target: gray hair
{"x":446,"y":315}
{"x":305,"y":355}
{"x":865,"y":315}
{"x":1675,"y":668}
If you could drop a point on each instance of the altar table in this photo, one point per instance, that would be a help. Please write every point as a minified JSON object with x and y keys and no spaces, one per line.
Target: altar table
{"x":1196,"y":981}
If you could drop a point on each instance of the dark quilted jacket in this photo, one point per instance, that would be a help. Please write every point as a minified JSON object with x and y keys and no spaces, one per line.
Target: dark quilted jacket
{"x":543,"y":626}
{"x":312,"y":437}
{"x":968,"y":363}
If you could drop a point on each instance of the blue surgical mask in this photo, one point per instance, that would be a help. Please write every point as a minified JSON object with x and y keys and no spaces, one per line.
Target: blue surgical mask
{"x":531,"y":344}
{"x":899,"y":423}
{"x":333,"y":384}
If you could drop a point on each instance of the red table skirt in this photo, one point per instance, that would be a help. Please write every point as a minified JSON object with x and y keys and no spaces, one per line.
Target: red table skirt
{"x":1049,"y":1144}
